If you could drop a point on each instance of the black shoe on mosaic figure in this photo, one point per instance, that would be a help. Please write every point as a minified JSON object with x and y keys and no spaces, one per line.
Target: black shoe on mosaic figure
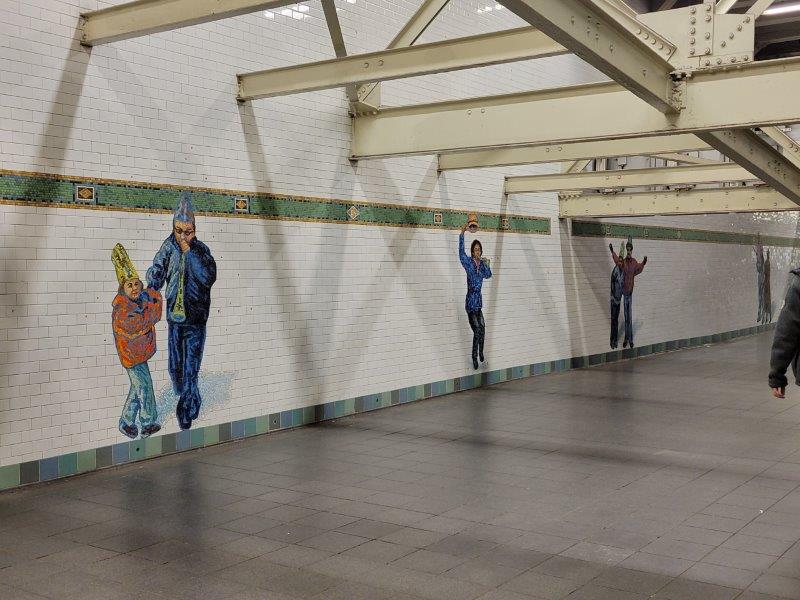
{"x":129,"y":430}
{"x":149,"y":430}
{"x":475,"y":362}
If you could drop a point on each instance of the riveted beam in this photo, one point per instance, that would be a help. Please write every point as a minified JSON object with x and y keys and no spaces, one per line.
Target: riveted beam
{"x":694,"y":202}
{"x":746,"y":148}
{"x":369,"y":93}
{"x":684,"y":158}
{"x":611,"y":40}
{"x":450,"y":55}
{"x":625,"y":178}
{"x":790,"y":146}
{"x":504,"y":157}
{"x":144,"y":17}
{"x":751,"y":95}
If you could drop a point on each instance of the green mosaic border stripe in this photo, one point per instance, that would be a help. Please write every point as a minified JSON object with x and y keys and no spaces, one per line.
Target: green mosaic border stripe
{"x":672,"y":234}
{"x":37,"y":188}
{"x":15,"y":476}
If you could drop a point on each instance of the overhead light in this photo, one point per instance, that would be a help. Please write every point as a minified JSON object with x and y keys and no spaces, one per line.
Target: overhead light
{"x":783,"y":9}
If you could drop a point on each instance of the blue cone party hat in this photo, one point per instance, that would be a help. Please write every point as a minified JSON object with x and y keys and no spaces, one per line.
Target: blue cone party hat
{"x":184,"y":212}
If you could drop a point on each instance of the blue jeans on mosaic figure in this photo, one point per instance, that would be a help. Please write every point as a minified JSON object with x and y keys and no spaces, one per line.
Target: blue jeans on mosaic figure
{"x":186,"y":343}
{"x":628,"y":301}
{"x":615,"y":306}
{"x":478,"y":326}
{"x":141,"y":400}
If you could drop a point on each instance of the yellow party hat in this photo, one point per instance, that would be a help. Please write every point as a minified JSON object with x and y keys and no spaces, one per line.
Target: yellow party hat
{"x":123,"y":265}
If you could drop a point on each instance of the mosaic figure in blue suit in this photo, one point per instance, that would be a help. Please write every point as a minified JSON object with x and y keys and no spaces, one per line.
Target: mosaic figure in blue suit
{"x":477,"y":269}
{"x":186,"y":266}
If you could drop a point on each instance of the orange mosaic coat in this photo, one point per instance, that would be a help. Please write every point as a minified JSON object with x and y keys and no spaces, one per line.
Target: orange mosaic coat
{"x":133,"y":322}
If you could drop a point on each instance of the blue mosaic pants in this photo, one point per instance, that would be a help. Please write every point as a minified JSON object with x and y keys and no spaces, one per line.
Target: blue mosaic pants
{"x":141,"y":400}
{"x":186,"y":343}
{"x":615,"y":306}
{"x":478,"y":326}
{"x":628,"y":300}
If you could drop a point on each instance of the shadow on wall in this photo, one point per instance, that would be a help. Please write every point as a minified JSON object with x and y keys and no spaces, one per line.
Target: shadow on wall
{"x":215,"y":389}
{"x":577,"y":277}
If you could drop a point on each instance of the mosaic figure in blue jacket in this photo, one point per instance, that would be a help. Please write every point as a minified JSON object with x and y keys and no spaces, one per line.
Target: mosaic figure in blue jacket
{"x":186,"y":266}
{"x":617,"y":285}
{"x":477,"y":269}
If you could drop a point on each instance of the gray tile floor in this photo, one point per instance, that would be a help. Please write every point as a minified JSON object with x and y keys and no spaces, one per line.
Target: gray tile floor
{"x":674,"y":477}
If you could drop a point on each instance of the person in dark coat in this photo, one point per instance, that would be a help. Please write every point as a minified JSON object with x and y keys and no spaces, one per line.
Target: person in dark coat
{"x":786,"y":342}
{"x":188,"y":269}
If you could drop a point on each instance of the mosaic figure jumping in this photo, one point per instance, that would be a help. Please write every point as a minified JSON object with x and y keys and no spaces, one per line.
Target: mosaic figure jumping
{"x":478,"y":269}
{"x":630,"y":269}
{"x":186,"y":266}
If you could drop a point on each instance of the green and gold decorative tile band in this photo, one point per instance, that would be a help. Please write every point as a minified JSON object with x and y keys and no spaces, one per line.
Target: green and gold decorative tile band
{"x":80,"y":192}
{"x":673,"y":234}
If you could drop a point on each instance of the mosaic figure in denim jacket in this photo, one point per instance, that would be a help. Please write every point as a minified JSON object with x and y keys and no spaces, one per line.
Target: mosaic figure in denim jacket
{"x":760,"y":261}
{"x":630,"y":269}
{"x":617,"y":285}
{"x":767,"y":293}
{"x":185,"y":265}
{"x":134,"y":315}
{"x":477,"y":269}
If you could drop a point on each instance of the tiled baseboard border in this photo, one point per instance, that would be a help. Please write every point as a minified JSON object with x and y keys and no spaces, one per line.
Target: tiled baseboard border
{"x":47,"y":469}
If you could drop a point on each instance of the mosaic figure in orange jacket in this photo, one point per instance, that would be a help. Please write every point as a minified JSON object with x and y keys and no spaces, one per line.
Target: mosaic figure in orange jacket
{"x":135,"y":313}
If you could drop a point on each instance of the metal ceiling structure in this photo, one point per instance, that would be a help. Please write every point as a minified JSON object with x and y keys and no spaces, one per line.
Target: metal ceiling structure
{"x":686,"y":76}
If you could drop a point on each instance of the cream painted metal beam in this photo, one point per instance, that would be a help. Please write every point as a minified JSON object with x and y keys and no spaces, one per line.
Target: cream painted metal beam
{"x":503,"y":157}
{"x":724,"y":6}
{"x":752,"y":95}
{"x":625,"y":178}
{"x":694,"y":202}
{"x":745,"y":147}
{"x":143,"y":17}
{"x":667,"y":4}
{"x":407,"y":36}
{"x":575,"y":166}
{"x":684,"y":158}
{"x":462,"y":53}
{"x":339,"y":47}
{"x":609,"y":39}
{"x":759,"y":7}
{"x":791,"y":147}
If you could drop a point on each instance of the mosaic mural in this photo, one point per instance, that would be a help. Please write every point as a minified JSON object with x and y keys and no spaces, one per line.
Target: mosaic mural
{"x":626,"y":269}
{"x":477,"y":268}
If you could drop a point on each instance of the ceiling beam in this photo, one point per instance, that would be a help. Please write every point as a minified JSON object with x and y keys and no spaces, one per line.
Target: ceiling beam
{"x":667,"y":5}
{"x":790,"y":146}
{"x":144,"y":17}
{"x":724,"y":6}
{"x":611,"y":40}
{"x":504,"y":157}
{"x":694,"y":202}
{"x":755,"y":94}
{"x":450,"y":55}
{"x":684,"y":158}
{"x":407,"y":36}
{"x":759,"y":7}
{"x":625,"y":178}
{"x":337,"y":39}
{"x":746,"y":148}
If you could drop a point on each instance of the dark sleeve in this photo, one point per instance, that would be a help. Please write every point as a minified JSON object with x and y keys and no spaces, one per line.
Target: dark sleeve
{"x":157,"y":274}
{"x":787,"y":337}
{"x":202,"y":264}
{"x":462,"y":254}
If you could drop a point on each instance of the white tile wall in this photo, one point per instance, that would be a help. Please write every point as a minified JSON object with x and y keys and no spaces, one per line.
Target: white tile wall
{"x":303,"y":313}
